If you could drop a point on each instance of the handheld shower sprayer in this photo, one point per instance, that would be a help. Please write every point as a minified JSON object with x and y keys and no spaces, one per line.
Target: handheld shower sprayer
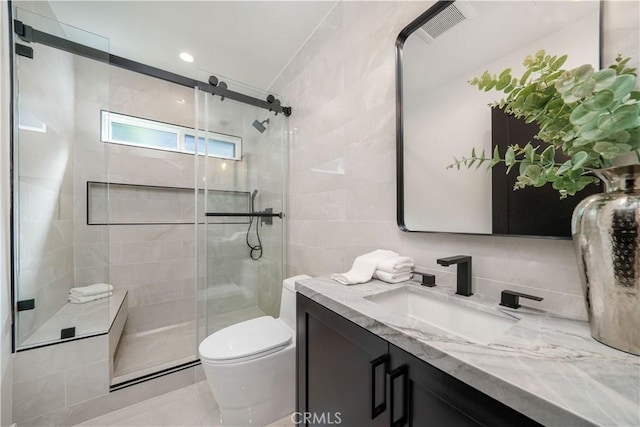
{"x":255,"y":251}
{"x":253,"y":200}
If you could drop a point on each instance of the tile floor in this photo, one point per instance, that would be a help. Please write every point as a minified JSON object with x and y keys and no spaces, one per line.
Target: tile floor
{"x":188,"y":406}
{"x":151,"y":351}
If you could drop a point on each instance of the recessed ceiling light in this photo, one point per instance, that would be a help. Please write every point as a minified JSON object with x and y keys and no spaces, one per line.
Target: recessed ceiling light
{"x":186,"y":57}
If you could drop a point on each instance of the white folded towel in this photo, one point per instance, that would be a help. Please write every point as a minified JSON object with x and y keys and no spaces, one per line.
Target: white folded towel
{"x":393,"y":278}
{"x":75,"y":299}
{"x":363,"y":267}
{"x":396,"y":264}
{"x":95,"y":289}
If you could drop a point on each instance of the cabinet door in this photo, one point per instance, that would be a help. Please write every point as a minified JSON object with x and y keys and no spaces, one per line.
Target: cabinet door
{"x":423,"y":396}
{"x":341,"y":370}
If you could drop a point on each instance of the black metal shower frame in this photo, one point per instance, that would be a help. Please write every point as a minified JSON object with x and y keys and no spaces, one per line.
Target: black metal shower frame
{"x":29,"y":34}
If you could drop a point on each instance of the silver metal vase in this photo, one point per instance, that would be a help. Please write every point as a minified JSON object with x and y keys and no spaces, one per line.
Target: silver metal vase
{"x":606,"y":237}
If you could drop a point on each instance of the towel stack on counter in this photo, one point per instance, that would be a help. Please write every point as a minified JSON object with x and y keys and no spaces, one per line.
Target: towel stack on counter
{"x":395,"y":269}
{"x":93,"y":292}
{"x":384,"y":265}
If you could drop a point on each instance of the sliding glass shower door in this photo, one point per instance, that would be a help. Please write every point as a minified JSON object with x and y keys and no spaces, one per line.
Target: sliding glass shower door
{"x":241,"y":233}
{"x":55,"y":250}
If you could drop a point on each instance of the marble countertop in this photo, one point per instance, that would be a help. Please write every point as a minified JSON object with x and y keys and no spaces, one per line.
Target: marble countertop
{"x":546,"y":367}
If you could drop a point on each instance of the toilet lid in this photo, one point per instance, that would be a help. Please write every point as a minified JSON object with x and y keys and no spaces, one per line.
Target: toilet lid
{"x":245,"y":339}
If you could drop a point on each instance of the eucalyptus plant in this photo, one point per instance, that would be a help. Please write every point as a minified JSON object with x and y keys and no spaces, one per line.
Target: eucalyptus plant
{"x":591,"y":116}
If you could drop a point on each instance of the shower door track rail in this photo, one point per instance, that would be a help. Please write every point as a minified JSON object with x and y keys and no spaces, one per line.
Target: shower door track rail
{"x":29,"y":34}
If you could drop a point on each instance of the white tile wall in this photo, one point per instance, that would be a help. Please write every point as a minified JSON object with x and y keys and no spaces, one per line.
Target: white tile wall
{"x":146,"y":260}
{"x":76,"y":413}
{"x":341,"y":86}
{"x":38,"y":396}
{"x":51,"y":378}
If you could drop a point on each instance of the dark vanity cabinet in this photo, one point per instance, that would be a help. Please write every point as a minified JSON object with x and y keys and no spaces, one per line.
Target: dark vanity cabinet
{"x":341,"y":369}
{"x":348,"y":376}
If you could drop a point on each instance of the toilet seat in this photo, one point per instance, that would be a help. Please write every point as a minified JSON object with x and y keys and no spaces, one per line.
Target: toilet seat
{"x":245,"y":341}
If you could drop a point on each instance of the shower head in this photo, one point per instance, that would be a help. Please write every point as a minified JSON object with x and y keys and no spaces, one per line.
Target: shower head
{"x":260,"y":125}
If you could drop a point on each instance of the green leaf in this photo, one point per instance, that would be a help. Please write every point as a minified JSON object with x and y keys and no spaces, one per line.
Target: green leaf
{"x":579,"y":159}
{"x":604,"y":78}
{"x":489,"y":85}
{"x":583,"y":72}
{"x":580,"y":91}
{"x":565,"y":82}
{"x":599,"y":101}
{"x":533,"y":173}
{"x":469,"y":162}
{"x":505,"y":73}
{"x":535,"y":100}
{"x":525,"y":76}
{"x":496,"y":157}
{"x":623,"y":85}
{"x":559,"y":62}
{"x":549,"y":156}
{"x":610,"y":151}
{"x":622,"y":118}
{"x":528,"y":152}
{"x":602,"y":147}
{"x":510,"y":157}
{"x":524,"y":164}
{"x":582,"y":115}
{"x":593,"y":135}
{"x":621,"y":136}
{"x":503,"y":82}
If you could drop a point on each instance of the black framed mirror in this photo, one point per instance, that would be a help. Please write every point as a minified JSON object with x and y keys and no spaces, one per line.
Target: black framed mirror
{"x":439,"y":115}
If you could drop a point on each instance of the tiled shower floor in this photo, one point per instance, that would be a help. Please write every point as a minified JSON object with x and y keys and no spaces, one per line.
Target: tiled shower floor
{"x":151,"y":351}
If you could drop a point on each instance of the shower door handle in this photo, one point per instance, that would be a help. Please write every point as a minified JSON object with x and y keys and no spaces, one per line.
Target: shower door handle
{"x":254,"y":214}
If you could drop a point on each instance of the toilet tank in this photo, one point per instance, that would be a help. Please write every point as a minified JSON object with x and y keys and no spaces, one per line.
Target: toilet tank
{"x":288,"y":300}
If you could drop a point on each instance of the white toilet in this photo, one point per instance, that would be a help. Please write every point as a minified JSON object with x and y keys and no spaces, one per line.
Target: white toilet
{"x":250,"y":366}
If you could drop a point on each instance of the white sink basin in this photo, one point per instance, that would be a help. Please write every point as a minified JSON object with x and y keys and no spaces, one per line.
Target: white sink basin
{"x":475,"y":325}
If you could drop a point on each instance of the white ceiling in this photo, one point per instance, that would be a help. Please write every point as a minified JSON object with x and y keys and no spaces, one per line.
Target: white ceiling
{"x":246,"y":41}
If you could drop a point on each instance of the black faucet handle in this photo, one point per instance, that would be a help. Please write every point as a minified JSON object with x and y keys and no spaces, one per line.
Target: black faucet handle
{"x":453,"y":260}
{"x":511,"y":299}
{"x":428,"y":279}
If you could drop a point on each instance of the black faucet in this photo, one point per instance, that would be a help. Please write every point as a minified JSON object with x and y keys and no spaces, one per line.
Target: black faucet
{"x":428,"y":279}
{"x":512,"y":298}
{"x":464,"y":272}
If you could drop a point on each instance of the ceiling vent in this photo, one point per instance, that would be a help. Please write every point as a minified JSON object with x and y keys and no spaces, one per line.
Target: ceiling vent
{"x":449,"y":17}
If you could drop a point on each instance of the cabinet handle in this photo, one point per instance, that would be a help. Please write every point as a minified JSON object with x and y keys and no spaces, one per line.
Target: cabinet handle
{"x":402,"y":371}
{"x":378,"y":409}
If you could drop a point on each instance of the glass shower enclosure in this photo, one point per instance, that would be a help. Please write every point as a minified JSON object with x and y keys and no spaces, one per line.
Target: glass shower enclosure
{"x":241,"y":235}
{"x":170,"y":194}
{"x":54,"y":248}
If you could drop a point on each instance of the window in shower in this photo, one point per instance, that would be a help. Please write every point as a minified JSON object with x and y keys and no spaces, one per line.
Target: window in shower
{"x":128,"y":130}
